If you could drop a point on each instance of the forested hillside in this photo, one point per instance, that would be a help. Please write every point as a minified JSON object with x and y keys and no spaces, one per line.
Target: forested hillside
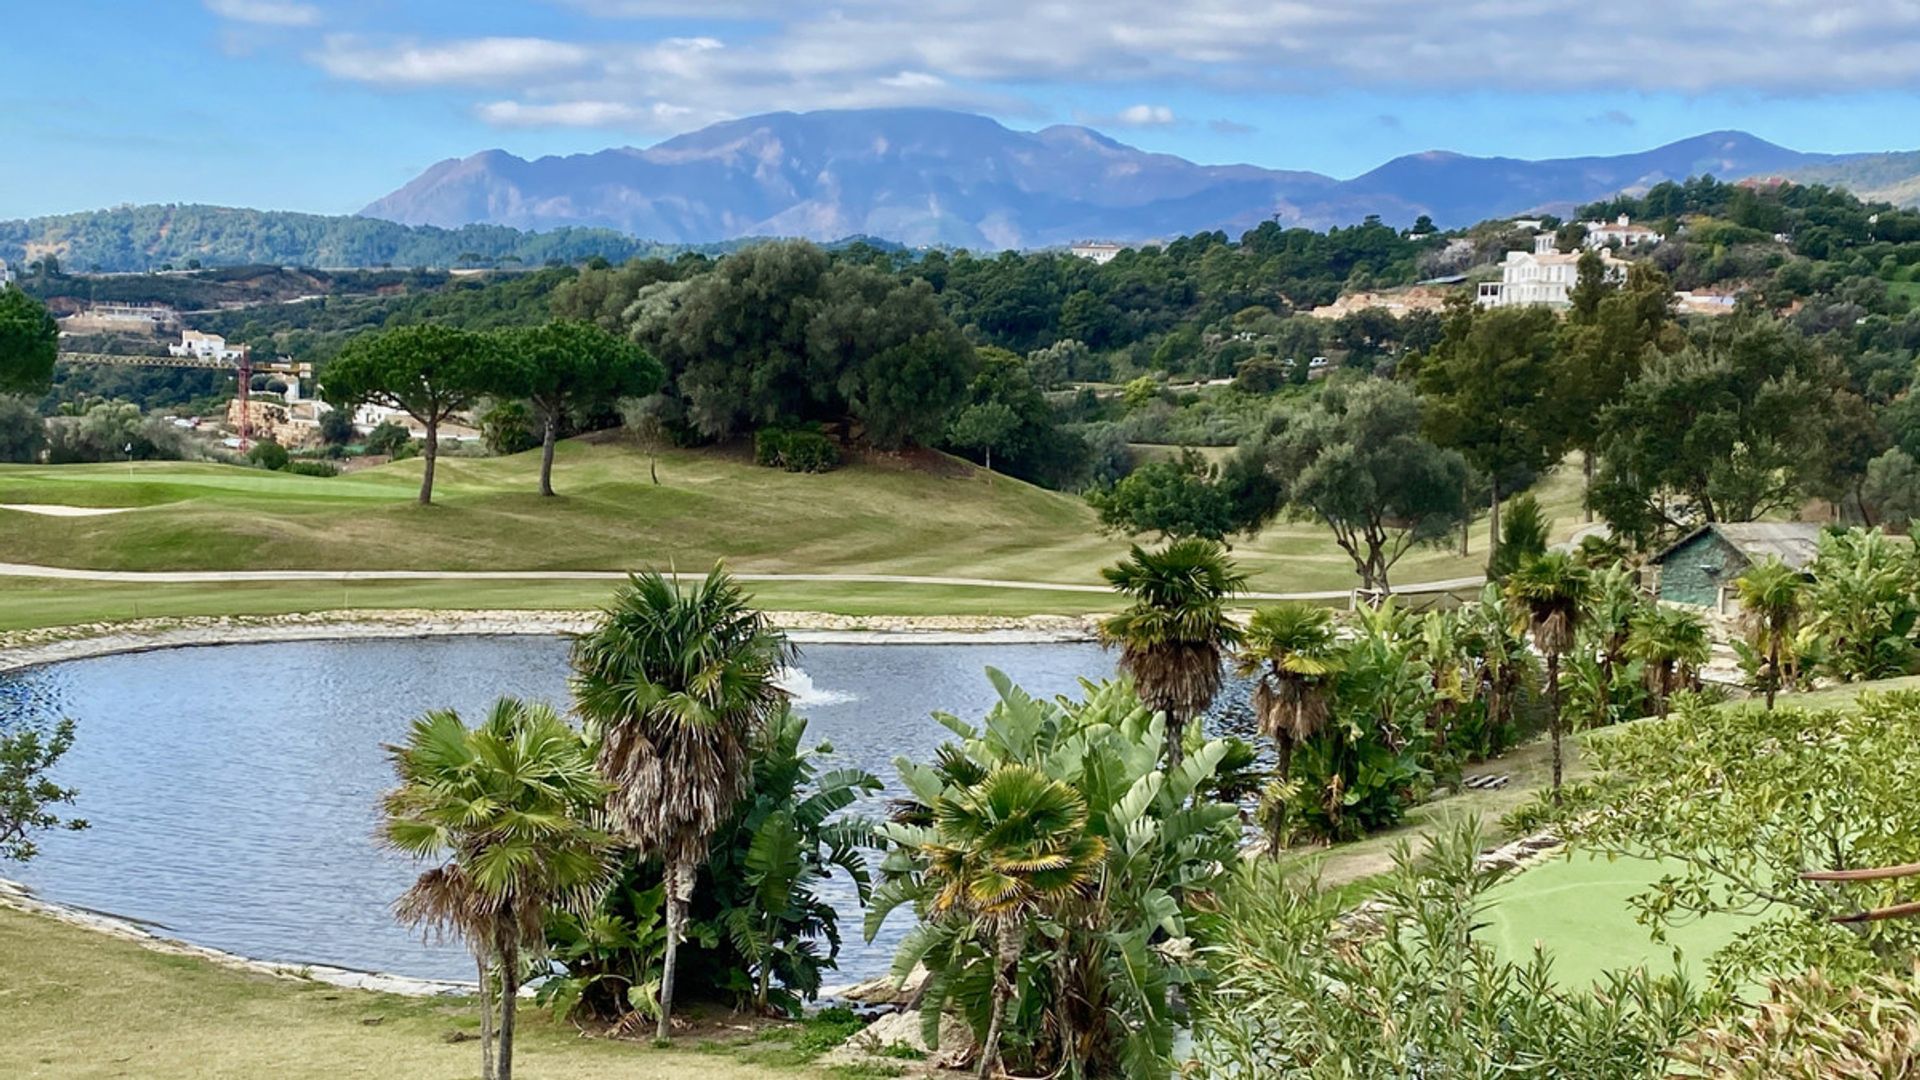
{"x":138,"y":238}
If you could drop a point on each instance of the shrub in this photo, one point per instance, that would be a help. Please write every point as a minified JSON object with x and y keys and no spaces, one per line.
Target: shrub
{"x":387,"y":438}
{"x":1523,"y":537}
{"x":795,"y":450}
{"x":336,"y":427}
{"x":268,"y":454}
{"x":1096,"y":973}
{"x":508,"y":428}
{"x":1862,"y":605}
{"x":760,"y":933}
{"x":23,"y":434}
{"x":313,"y":468}
{"x":1302,"y":989}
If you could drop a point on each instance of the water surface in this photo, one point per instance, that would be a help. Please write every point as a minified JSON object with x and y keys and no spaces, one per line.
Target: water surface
{"x":232,"y":789}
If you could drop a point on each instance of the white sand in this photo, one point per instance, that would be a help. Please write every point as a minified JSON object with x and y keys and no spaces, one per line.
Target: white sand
{"x":56,"y":510}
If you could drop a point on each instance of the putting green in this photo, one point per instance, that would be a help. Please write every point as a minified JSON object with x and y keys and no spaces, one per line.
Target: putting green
{"x":1577,"y":910}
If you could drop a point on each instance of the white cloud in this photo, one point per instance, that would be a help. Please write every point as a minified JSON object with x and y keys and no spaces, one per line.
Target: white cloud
{"x":1810,"y":46}
{"x":266,"y":12}
{"x":487,"y":61}
{"x":1144,"y":116}
{"x":744,"y":56}
{"x":584,"y":114}
{"x":910,"y":80}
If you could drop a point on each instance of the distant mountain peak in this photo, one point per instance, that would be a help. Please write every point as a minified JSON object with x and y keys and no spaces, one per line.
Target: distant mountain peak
{"x":927,"y":176}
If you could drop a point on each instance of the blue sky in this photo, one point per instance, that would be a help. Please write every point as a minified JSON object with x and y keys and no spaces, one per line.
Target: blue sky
{"x":324,"y":105}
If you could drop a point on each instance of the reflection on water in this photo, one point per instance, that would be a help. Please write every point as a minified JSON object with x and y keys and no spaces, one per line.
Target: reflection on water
{"x":232,"y":789}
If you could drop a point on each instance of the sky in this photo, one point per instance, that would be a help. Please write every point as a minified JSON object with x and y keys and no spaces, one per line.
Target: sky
{"x":325,"y":105}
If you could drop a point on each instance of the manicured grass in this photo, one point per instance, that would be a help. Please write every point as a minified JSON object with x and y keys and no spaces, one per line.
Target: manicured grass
{"x":1577,"y":910}
{"x":75,"y":1004}
{"x":27,"y":603}
{"x":928,"y":516}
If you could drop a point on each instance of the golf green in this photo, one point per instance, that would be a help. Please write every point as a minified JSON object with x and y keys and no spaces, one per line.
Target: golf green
{"x":1577,"y":910}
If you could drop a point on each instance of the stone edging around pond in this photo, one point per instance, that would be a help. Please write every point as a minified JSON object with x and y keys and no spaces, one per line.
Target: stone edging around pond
{"x":32,"y":648}
{"x":20,"y":898}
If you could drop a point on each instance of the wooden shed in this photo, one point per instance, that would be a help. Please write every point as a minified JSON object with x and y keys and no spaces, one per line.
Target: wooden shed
{"x":1700,"y":568}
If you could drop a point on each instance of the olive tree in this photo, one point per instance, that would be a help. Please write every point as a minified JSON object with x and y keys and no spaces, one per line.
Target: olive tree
{"x":1356,"y":460}
{"x":429,"y":372}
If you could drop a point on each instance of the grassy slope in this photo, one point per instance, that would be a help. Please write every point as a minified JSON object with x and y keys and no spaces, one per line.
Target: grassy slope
{"x":75,"y":1004}
{"x":876,"y":517}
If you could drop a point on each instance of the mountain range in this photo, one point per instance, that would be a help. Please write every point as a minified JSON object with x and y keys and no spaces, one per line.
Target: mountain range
{"x":928,"y":176}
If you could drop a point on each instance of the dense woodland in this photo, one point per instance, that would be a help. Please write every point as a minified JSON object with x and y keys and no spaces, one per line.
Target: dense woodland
{"x":1060,"y":371}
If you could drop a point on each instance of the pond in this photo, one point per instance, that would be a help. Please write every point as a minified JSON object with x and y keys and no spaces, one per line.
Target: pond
{"x":232,"y":788}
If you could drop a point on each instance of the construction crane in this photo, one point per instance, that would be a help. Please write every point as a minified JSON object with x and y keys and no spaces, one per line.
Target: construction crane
{"x":242,"y":366}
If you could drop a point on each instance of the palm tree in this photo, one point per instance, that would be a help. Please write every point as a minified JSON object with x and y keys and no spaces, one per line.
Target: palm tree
{"x":1174,"y":636}
{"x":1553,"y":590}
{"x":1770,"y":594}
{"x":1612,"y":603}
{"x":677,"y":684}
{"x":1489,"y":631}
{"x":1003,"y":852}
{"x":1294,"y":651}
{"x":508,"y":809}
{"x":1673,"y":644}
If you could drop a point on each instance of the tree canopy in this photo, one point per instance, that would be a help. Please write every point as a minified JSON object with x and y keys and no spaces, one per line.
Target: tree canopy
{"x":566,"y":366}
{"x":29,"y":341}
{"x":429,"y":372}
{"x":1356,"y":460}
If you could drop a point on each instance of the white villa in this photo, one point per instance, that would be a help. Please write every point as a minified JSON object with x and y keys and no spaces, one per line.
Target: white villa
{"x":1097,"y":251}
{"x":1540,"y":276}
{"x":204,"y":346}
{"x":6,"y":274}
{"x":1620,"y":231}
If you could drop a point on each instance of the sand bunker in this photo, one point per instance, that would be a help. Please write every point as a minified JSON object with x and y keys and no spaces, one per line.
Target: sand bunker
{"x":56,"y":510}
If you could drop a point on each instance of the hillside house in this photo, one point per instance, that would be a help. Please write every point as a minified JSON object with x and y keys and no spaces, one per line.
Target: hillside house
{"x":1621,"y":231}
{"x":1700,"y":568}
{"x":6,"y":274}
{"x":203,"y":346}
{"x":1541,"y":276}
{"x":1096,"y":252}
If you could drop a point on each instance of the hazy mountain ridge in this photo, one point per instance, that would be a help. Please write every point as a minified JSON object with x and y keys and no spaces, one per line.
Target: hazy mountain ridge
{"x":919,"y":177}
{"x":925,"y":176}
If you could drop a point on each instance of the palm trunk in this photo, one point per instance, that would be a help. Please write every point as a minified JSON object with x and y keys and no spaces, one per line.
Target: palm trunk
{"x":1003,"y":977}
{"x":1176,"y":739}
{"x":763,"y":984}
{"x":1586,"y":495}
{"x":430,"y":454}
{"x":551,"y":435}
{"x":679,"y":892}
{"x":509,"y":1001}
{"x":1773,"y":669}
{"x":486,"y":1017}
{"x":1553,"y":698}
{"x":1493,"y":524}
